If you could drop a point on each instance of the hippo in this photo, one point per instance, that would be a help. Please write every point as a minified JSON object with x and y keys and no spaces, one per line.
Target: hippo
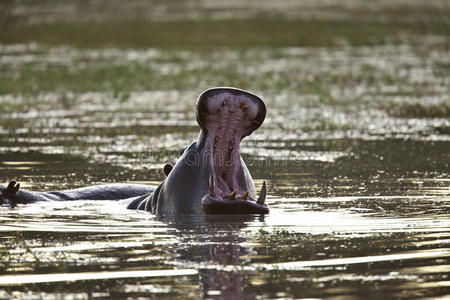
{"x":209,"y":177}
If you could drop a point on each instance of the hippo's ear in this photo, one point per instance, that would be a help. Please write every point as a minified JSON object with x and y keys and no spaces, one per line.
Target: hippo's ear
{"x":11,"y":190}
{"x":10,"y":193}
{"x":167,"y":168}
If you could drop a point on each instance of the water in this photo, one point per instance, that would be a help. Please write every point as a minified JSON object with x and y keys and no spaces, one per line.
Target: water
{"x":304,"y":247}
{"x":354,"y":150}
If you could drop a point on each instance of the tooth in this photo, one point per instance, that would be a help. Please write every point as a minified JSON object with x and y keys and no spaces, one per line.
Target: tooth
{"x":225,"y":102}
{"x":231,"y":196}
{"x":245,"y":196}
{"x":244,"y":106}
{"x":212,"y":185}
{"x":262,"y":194}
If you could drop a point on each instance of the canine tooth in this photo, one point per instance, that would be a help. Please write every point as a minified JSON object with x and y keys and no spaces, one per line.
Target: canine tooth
{"x":212,"y":186}
{"x":245,"y":196}
{"x":262,"y":194}
{"x":244,"y":106}
{"x":225,"y":102}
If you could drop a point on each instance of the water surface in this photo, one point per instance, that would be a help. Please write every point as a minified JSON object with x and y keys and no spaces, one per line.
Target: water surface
{"x":354,"y":150}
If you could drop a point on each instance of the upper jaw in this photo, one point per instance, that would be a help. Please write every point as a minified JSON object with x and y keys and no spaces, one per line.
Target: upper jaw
{"x":202,"y":109}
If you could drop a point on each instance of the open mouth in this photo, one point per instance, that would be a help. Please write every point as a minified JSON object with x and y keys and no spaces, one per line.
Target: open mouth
{"x":227,"y":115}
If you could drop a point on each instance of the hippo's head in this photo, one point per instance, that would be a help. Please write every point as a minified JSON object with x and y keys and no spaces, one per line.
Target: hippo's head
{"x":210,"y":176}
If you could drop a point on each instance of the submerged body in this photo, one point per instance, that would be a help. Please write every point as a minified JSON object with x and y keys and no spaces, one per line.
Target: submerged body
{"x":209,"y":177}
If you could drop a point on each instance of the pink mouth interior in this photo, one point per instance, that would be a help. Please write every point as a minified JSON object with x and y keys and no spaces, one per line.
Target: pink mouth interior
{"x":229,"y":119}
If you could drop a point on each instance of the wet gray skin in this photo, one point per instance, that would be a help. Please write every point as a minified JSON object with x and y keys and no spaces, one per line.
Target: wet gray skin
{"x":210,"y":176}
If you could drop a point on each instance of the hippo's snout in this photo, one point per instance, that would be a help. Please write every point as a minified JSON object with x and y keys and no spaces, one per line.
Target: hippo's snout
{"x":226,"y":116}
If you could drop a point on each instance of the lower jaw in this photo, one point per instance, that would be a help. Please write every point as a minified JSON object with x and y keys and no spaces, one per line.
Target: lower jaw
{"x":226,"y":194}
{"x":212,"y":205}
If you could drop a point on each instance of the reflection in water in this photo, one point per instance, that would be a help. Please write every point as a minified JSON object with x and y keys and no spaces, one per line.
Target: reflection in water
{"x":317,"y":250}
{"x":230,"y":285}
{"x":218,"y":253}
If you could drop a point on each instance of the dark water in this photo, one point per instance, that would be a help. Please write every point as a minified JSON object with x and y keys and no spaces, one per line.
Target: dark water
{"x":358,"y":179}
